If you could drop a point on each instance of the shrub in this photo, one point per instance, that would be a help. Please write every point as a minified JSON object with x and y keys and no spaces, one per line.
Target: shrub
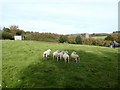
{"x":88,"y":41}
{"x":71,"y":39}
{"x":7,"y":35}
{"x":114,"y":36}
{"x":107,"y":43}
{"x":63,"y":39}
{"x":78,"y":40}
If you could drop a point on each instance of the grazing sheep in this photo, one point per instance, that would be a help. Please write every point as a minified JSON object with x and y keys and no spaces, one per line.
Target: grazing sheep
{"x":46,"y":53}
{"x":75,"y":56}
{"x":66,"y":56}
{"x":56,"y":54}
{"x":61,"y":54}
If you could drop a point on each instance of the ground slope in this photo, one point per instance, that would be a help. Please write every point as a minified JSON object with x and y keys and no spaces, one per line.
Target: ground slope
{"x":23,"y":66}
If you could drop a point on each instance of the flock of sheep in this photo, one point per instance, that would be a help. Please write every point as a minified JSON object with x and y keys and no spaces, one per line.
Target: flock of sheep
{"x":59,"y":55}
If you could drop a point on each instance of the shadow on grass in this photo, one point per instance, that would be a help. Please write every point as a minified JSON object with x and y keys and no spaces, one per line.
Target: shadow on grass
{"x":93,"y":71}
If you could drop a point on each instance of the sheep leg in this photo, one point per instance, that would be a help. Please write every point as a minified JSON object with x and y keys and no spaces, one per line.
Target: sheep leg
{"x":76,"y":60}
{"x":60,"y":57}
{"x":46,"y":56}
{"x":68,"y":59}
{"x":57,"y":59}
{"x":65,"y":60}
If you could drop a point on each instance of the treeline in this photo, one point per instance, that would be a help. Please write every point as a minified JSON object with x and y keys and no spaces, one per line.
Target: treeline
{"x":9,"y":33}
{"x":99,"y":34}
{"x":49,"y":37}
{"x":85,"y":41}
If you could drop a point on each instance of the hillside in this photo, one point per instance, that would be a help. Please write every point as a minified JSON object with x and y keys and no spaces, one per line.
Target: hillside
{"x":23,"y":66}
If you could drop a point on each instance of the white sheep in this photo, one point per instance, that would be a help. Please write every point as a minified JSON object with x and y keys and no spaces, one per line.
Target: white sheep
{"x":61,"y":54}
{"x":46,"y":53}
{"x":75,"y":56}
{"x":66,"y":56}
{"x":56,"y":54}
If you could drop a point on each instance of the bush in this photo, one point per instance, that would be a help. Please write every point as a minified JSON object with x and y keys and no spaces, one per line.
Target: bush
{"x":109,"y":37}
{"x":113,"y":37}
{"x":63,"y":39}
{"x":107,"y":43}
{"x":88,"y":41}
{"x":7,"y":35}
{"x":78,"y":40}
{"x":71,"y":39}
{"x":100,"y":42}
{"x":42,"y":37}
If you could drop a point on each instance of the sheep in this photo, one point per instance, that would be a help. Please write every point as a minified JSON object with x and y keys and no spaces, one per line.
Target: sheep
{"x":56,"y":54}
{"x":46,"y":53}
{"x":61,"y":54}
{"x":75,"y":56}
{"x":66,"y":56}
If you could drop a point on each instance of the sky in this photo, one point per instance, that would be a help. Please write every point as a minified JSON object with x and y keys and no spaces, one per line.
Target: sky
{"x":61,"y":16}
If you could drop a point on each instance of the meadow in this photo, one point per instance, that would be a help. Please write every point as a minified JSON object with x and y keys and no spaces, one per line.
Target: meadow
{"x":24,"y":67}
{"x":99,"y":37}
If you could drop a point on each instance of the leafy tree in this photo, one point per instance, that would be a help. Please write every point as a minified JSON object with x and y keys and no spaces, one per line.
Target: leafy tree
{"x":6,"y":35}
{"x":19,"y":32}
{"x":78,"y":40}
{"x":0,"y":34}
{"x":14,"y":29}
{"x":113,"y":37}
{"x":6,"y":29}
{"x":107,"y":43}
{"x":109,"y":37}
{"x":71,"y":39}
{"x":63,"y":39}
{"x":88,"y":41}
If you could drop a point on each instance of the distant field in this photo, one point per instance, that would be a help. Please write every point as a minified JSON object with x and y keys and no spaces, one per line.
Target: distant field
{"x":99,"y":37}
{"x":23,"y":66}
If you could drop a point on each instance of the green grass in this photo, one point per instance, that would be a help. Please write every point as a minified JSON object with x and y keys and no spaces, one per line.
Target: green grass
{"x":23,"y":66}
{"x":0,"y":64}
{"x":99,"y":37}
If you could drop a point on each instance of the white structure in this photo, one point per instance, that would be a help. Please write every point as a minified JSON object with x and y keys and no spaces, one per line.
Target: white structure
{"x":87,"y":35}
{"x":18,"y":38}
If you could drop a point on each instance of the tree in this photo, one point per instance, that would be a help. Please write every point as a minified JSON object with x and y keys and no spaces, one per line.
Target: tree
{"x":19,"y":32}
{"x":6,"y":29}
{"x":71,"y":39}
{"x":63,"y":39}
{"x":0,"y":34}
{"x":88,"y":41}
{"x":6,"y":35}
{"x":113,"y":37}
{"x":78,"y":40}
{"x":109,"y":37}
{"x":14,"y":29}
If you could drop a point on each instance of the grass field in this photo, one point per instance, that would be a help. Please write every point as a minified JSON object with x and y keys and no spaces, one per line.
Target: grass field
{"x":23,"y":66}
{"x":0,"y":64}
{"x":99,"y":37}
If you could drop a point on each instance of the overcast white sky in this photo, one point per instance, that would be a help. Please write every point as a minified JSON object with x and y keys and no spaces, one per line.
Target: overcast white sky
{"x":61,"y":16}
